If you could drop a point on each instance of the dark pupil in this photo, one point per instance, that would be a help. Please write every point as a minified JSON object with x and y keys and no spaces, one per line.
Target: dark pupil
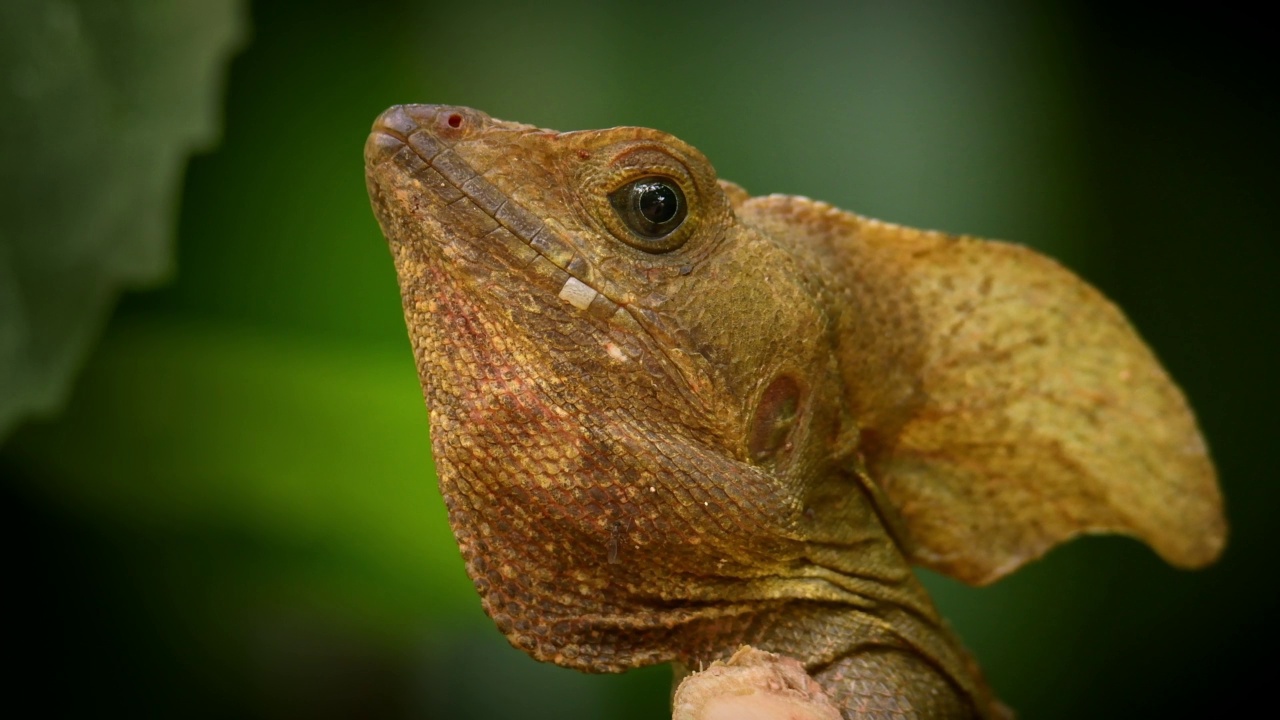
{"x":652,"y":209}
{"x":656,"y":201}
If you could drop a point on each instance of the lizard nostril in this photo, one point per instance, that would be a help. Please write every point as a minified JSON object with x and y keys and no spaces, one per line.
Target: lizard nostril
{"x":454,"y":120}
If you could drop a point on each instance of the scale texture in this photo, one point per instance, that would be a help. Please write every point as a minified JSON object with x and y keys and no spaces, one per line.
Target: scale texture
{"x":671,"y":419}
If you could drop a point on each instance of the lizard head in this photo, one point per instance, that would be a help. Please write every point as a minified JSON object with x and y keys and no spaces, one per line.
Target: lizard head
{"x":613,"y":364}
{"x":669,"y":419}
{"x":662,"y":410}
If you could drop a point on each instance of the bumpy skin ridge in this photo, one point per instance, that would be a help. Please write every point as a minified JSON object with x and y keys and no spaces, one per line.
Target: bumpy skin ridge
{"x":747,"y":436}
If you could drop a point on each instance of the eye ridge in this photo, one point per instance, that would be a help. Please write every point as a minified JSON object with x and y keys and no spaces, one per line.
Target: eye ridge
{"x":652,"y":208}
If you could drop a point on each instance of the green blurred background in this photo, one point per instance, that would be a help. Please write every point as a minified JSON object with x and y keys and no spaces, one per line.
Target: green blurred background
{"x":234,"y":515}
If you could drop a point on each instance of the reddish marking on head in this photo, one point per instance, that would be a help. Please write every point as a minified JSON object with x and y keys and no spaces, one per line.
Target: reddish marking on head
{"x":584,"y":154}
{"x":454,"y":120}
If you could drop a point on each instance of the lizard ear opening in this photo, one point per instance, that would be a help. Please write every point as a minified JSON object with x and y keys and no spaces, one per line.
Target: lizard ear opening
{"x":1011,"y":404}
{"x":775,"y":416}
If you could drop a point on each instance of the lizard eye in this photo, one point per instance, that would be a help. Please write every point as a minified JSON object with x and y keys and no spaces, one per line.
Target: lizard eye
{"x":652,"y":208}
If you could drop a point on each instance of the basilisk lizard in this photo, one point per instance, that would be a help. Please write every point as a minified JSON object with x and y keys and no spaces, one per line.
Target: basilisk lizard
{"x":671,"y":419}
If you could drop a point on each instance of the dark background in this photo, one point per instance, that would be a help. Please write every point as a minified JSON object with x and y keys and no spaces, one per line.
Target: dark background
{"x":236,"y":515}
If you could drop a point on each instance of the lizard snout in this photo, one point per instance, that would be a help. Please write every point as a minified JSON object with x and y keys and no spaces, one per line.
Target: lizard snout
{"x":446,"y":122}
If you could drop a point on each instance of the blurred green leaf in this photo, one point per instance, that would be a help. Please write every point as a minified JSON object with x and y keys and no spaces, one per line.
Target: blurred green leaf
{"x":100,"y":105}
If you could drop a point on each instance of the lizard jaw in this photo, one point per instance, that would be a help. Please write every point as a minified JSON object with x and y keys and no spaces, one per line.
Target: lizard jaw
{"x":412,"y":159}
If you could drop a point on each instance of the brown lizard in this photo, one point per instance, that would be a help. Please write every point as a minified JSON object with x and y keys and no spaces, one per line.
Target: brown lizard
{"x":671,"y":419}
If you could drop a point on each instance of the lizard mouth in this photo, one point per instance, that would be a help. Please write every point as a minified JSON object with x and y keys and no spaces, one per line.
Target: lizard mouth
{"x":412,"y":160}
{"x":418,"y":141}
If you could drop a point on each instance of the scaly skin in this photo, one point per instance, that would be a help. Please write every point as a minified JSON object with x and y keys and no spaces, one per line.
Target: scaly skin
{"x":746,"y":430}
